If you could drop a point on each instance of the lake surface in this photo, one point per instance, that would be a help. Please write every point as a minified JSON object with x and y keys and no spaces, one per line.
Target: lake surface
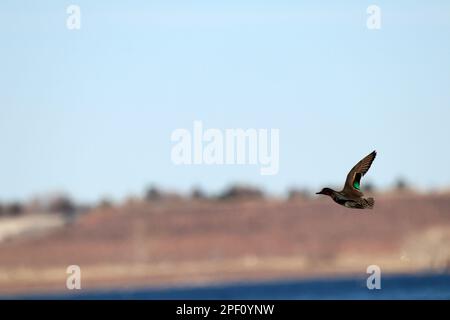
{"x":425,"y":286}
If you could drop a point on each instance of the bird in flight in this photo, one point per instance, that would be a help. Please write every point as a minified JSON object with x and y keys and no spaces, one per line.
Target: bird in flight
{"x":351,"y":195}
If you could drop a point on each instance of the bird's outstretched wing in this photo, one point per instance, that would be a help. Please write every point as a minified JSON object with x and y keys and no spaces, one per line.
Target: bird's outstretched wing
{"x":353,"y":182}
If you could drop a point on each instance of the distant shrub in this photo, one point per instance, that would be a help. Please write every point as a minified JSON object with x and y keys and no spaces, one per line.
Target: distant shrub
{"x":13,"y":209}
{"x":299,"y":194}
{"x":105,"y":203}
{"x":241,"y":192}
{"x":198,"y":194}
{"x":61,"y":204}
{"x":401,"y":185}
{"x":153,"y":194}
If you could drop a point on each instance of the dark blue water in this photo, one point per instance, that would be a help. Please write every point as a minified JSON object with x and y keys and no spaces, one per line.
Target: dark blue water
{"x":425,"y":286}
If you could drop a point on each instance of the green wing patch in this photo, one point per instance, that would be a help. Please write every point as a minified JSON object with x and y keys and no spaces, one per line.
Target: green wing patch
{"x":356,"y":185}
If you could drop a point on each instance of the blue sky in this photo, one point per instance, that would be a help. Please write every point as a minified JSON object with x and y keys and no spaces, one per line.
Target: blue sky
{"x":90,"y":112}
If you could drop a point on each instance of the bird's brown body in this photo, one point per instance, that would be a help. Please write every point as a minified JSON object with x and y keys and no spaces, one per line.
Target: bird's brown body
{"x":351,"y":196}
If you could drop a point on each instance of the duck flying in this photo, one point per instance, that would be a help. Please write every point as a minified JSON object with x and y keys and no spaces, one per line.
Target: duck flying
{"x":351,"y":195}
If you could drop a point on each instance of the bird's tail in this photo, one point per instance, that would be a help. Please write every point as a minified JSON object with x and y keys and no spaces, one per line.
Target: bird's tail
{"x":370,"y":203}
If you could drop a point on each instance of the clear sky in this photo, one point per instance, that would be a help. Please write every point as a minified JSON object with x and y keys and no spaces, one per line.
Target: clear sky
{"x":90,"y":112}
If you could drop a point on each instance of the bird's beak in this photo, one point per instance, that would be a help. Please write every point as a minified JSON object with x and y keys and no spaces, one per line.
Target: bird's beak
{"x":319,"y":193}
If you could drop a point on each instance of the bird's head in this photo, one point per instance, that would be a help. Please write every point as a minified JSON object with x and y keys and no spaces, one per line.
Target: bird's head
{"x":326,"y":191}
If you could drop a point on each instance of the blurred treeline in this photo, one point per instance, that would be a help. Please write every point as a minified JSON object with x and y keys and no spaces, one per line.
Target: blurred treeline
{"x":60,"y":203}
